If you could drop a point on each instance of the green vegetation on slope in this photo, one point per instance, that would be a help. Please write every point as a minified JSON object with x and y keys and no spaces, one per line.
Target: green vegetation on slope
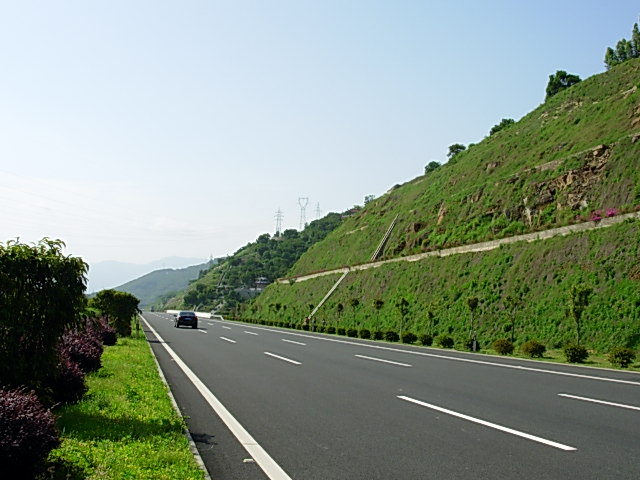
{"x":540,"y":274}
{"x":573,"y":159}
{"x":125,"y":427}
{"x":268,"y":258}
{"x":572,"y":156}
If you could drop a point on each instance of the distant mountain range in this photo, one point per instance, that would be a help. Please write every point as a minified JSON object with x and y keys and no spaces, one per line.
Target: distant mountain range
{"x":157,"y":286}
{"x":111,"y":274}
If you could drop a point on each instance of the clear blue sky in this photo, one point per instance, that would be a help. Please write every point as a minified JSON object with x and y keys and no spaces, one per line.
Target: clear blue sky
{"x":136,"y":130}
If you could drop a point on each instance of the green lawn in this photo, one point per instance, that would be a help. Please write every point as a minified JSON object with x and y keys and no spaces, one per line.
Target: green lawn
{"x":125,"y":427}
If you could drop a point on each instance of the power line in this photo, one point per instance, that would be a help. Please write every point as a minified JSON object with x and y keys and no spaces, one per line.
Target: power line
{"x":279,"y":216}
{"x":303,"y":201}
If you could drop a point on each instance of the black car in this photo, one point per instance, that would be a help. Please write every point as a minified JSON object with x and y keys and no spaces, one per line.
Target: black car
{"x":186,"y":318}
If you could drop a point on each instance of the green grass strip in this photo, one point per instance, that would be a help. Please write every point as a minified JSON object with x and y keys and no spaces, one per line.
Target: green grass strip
{"x":125,"y":427}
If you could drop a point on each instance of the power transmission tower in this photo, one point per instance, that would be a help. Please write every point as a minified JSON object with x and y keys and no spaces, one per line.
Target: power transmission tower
{"x":303,"y":202}
{"x":318,"y":210}
{"x":279,"y":217}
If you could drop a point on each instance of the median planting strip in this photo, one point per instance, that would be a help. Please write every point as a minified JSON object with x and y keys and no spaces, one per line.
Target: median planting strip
{"x":602,"y":402}
{"x":495,"y":426}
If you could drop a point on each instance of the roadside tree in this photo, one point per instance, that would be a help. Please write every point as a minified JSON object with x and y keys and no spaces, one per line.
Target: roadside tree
{"x":42,"y":296}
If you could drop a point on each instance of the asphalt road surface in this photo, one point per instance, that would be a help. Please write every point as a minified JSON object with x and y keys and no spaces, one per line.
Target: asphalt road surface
{"x":272,"y":403}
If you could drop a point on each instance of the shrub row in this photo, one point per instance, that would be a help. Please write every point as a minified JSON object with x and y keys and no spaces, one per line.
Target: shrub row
{"x":619,"y":356}
{"x":365,"y":333}
{"x":27,"y":427}
{"x":622,"y":357}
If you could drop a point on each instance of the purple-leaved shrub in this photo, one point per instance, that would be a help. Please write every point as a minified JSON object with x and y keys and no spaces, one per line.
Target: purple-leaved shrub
{"x":27,"y":434}
{"x":100,"y":328}
{"x":83,"y":348}
{"x":69,"y":385}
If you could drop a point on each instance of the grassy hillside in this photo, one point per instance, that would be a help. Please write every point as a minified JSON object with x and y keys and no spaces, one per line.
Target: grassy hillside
{"x":573,"y":155}
{"x":437,"y":289}
{"x":574,"y":158}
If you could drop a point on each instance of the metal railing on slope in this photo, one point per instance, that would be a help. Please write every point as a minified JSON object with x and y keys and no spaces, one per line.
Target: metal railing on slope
{"x":326,"y":297}
{"x":378,"y":251}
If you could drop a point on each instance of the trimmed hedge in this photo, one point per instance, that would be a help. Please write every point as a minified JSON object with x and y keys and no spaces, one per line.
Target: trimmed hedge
{"x":445,"y":341}
{"x":409,"y":337}
{"x":364,"y":333}
{"x":391,"y":336}
{"x":575,"y":353}
{"x":503,"y":346}
{"x":622,"y":356}
{"x":425,"y":339}
{"x":533,"y":349}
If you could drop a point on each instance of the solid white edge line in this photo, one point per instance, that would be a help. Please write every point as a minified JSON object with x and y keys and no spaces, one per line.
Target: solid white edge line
{"x":294,"y":342}
{"x":602,"y":402}
{"x":285,"y":359}
{"x":384,"y":361}
{"x":456,"y":359}
{"x":495,"y":426}
{"x":192,"y":443}
{"x":227,"y":340}
{"x":259,"y":454}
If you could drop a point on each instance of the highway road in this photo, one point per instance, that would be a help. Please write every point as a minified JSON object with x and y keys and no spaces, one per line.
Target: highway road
{"x":272,"y":403}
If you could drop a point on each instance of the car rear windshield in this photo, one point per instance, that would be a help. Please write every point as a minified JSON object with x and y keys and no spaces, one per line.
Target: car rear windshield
{"x":187,"y":314}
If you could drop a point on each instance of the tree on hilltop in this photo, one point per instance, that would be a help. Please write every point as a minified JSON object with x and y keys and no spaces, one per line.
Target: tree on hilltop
{"x":455,"y":149}
{"x":431,"y":166}
{"x":560,"y":81}
{"x":625,"y":49}
{"x":504,"y":123}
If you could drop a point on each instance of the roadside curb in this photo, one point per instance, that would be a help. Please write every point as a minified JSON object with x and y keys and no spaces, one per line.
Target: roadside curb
{"x":192,"y":444}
